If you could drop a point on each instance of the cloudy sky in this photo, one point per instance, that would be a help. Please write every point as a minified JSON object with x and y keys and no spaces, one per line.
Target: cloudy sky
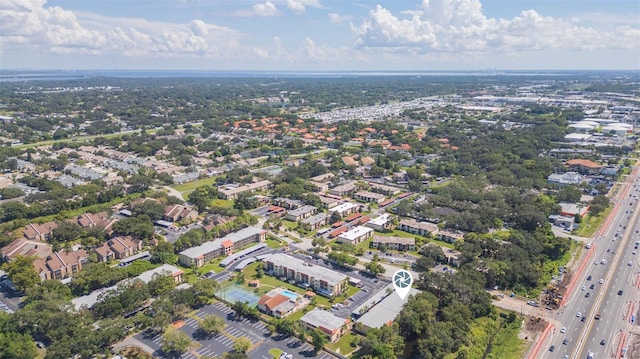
{"x":320,"y":35}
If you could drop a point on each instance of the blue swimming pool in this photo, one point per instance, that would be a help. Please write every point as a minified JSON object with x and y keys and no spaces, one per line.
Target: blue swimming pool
{"x":290,"y":294}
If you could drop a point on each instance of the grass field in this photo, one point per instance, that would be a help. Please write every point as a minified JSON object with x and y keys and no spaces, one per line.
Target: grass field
{"x":190,"y":186}
{"x":343,"y":345}
{"x":590,"y":225}
{"x":504,"y":344}
{"x":273,"y":242}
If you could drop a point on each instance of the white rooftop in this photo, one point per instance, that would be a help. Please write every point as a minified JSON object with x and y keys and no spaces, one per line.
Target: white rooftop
{"x":355,"y":233}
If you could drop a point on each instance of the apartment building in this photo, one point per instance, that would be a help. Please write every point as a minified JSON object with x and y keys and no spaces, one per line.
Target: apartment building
{"x":328,"y":323}
{"x":380,"y":223}
{"x":60,"y":265}
{"x":420,"y":228}
{"x":232,"y":191}
{"x":39,"y":232}
{"x":301,"y":213}
{"x":356,"y":235}
{"x":394,"y":243}
{"x":179,"y":212}
{"x":322,"y":280}
{"x":202,"y":254}
{"x":369,"y":197}
{"x":118,"y":248}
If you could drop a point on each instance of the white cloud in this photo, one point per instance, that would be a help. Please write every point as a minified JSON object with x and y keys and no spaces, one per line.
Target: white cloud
{"x":56,"y":30}
{"x":264,"y":9}
{"x":337,"y":18}
{"x":300,"y":6}
{"x":461,"y":26}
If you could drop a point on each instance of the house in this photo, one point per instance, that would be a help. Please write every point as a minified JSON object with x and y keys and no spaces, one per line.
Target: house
{"x":315,"y":222}
{"x":278,"y":302}
{"x":179,"y":212}
{"x":39,"y":232}
{"x":232,"y":191}
{"x":356,"y":235}
{"x":448,"y":236}
{"x":421,"y":228}
{"x":202,"y":254}
{"x":349,"y":161}
{"x":328,"y":323}
{"x":584,"y":166}
{"x":25,"y":248}
{"x":301,"y":213}
{"x":60,"y":265}
{"x":395,"y":243}
{"x":571,"y":209}
{"x":322,"y":280}
{"x":345,"y":208}
{"x":118,"y":248}
{"x":380,"y":223}
{"x":369,"y":197}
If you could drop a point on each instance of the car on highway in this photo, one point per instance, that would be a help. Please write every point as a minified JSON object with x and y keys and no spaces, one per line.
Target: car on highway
{"x":603,"y":262}
{"x":587,"y":295}
{"x":553,"y":348}
{"x":583,"y":319}
{"x":579,"y":314}
{"x":602,"y":342}
{"x":592,"y":286}
{"x":589,"y":278}
{"x":629,"y":263}
{"x":563,"y":329}
{"x":601,"y":281}
{"x":620,"y":292}
{"x":584,"y":287}
{"x":565,"y":341}
{"x":597,"y":317}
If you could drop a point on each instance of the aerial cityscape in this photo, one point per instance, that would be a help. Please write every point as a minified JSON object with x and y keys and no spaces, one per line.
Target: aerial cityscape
{"x":438,"y":179}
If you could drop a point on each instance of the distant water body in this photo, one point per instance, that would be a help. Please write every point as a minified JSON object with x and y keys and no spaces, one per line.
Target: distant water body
{"x":12,"y":76}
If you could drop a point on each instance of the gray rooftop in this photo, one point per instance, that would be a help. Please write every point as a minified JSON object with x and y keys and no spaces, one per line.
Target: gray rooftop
{"x":314,"y":271}
{"x":322,"y":318}
{"x":386,"y":311}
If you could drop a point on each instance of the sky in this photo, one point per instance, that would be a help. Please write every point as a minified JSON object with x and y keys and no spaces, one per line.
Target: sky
{"x":320,"y":35}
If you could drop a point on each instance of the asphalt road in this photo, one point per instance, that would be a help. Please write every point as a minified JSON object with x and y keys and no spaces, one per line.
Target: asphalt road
{"x":613,"y":246}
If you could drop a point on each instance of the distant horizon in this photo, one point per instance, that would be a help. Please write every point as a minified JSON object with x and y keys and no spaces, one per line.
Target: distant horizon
{"x":321,"y":35}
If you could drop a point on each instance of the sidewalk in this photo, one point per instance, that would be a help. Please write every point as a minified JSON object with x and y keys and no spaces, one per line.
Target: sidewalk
{"x":132,"y":342}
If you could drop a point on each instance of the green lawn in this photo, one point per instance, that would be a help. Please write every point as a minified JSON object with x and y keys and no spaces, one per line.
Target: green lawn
{"x":590,"y":225}
{"x":223,"y":203}
{"x":275,"y":352}
{"x":273,"y":242}
{"x":190,"y":186}
{"x":289,"y":224}
{"x":504,"y":344}
{"x":343,"y":345}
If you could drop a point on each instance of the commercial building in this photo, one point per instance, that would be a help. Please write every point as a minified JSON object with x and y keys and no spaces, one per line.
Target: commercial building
{"x":584,"y":166}
{"x":565,"y":179}
{"x":356,"y":235}
{"x":333,"y":326}
{"x":394,"y":243}
{"x":420,"y":228}
{"x":202,"y":254}
{"x":324,"y":281}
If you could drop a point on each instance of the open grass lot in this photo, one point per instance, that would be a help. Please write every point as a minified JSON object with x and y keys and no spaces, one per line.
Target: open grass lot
{"x":273,"y":242}
{"x":190,"y":186}
{"x":489,"y":340}
{"x":275,"y":352}
{"x":222,"y":203}
{"x":289,"y":224}
{"x":343,"y":345}
{"x":590,"y":224}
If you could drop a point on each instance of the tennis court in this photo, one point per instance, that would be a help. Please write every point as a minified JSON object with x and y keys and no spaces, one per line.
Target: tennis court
{"x":234,"y":293}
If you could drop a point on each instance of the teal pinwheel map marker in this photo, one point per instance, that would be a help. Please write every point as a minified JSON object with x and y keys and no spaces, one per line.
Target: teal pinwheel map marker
{"x":402,"y":281}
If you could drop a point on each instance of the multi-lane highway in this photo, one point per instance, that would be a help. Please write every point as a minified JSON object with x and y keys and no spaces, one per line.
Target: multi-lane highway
{"x":596,"y":316}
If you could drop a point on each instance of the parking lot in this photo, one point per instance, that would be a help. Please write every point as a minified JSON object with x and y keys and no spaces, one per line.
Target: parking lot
{"x":392,"y":257}
{"x":9,"y":301}
{"x":255,"y":331}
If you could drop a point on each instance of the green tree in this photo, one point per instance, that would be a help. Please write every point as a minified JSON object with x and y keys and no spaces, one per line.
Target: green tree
{"x":241,"y":345}
{"x":318,"y":339}
{"x":212,"y":325}
{"x":175,"y":342}
{"x":375,"y":268}
{"x":22,"y":273}
{"x":17,"y":346}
